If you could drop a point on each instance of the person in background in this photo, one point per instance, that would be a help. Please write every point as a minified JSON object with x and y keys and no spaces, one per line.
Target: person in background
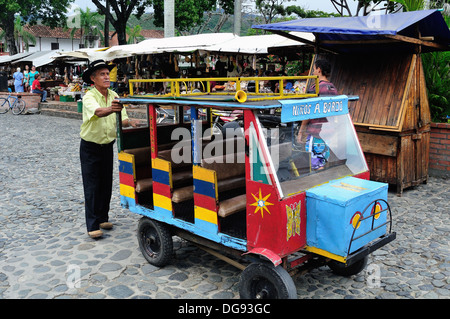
{"x":18,"y":80}
{"x":113,"y":75}
{"x":36,"y":88}
{"x":322,"y":68}
{"x":26,"y":78}
{"x":32,"y":75}
{"x":98,"y":134}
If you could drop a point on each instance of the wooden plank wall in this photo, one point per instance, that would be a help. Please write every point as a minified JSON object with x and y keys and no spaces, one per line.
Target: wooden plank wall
{"x":378,"y":80}
{"x":392,"y":115}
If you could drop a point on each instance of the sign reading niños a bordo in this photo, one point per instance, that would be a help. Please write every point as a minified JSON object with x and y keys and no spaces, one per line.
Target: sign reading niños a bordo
{"x":296,"y":110}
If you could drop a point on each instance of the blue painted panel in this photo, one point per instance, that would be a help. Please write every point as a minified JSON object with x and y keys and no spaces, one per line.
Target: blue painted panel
{"x":204,"y":188}
{"x":126,"y":167}
{"x":160,"y":176}
{"x":330,"y":211}
{"x":165,"y":216}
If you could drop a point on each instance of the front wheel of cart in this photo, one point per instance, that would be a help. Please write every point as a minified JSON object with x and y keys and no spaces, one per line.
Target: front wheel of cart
{"x":155,"y":242}
{"x":265,"y":281}
{"x":341,"y":269}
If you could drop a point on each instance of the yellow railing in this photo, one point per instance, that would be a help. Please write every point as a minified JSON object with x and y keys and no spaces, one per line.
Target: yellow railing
{"x":183,"y":87}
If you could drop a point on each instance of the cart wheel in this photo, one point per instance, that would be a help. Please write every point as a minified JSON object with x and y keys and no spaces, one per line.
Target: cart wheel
{"x":341,"y":269}
{"x":264,"y":281}
{"x":155,"y":242}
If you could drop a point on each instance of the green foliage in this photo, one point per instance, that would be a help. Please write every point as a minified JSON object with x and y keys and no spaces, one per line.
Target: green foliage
{"x":411,"y":5}
{"x":134,"y":34}
{"x":49,"y":12}
{"x":20,"y":32}
{"x":437,"y":75}
{"x":189,"y":13}
{"x":91,"y":25}
{"x":436,"y":69}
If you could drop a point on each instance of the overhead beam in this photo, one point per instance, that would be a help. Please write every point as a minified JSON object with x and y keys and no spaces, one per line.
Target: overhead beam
{"x":300,"y":39}
{"x":417,"y":41}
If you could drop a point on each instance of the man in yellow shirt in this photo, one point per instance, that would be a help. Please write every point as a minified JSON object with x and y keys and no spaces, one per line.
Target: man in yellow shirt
{"x":98,"y":134}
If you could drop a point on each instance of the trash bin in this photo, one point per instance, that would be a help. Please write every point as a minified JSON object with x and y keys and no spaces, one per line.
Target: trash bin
{"x":3,"y":82}
{"x":80,"y":106}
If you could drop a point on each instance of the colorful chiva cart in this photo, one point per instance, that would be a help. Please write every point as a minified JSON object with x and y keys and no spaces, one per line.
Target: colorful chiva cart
{"x":287,"y":192}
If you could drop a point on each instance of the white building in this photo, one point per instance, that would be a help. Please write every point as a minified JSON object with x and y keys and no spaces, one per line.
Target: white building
{"x":49,"y":39}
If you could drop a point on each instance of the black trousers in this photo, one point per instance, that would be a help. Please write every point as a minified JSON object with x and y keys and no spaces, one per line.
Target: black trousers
{"x":96,"y":170}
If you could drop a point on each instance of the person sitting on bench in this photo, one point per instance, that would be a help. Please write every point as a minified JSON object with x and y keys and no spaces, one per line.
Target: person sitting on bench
{"x":36,"y":88}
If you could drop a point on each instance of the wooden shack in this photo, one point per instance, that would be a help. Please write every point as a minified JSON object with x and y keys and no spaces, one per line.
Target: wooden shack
{"x":378,"y":58}
{"x":391,"y":116}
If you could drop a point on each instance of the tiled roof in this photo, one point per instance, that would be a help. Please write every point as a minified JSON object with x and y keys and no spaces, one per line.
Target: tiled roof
{"x":148,"y":34}
{"x":44,"y":31}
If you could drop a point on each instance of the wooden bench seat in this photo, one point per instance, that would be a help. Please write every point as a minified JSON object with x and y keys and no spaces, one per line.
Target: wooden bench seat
{"x":233,"y":205}
{"x":186,"y":193}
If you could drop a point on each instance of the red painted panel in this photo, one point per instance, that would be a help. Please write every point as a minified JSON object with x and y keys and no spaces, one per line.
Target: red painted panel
{"x":205,"y":202}
{"x":279,"y":226}
{"x":152,"y":125}
{"x":126,"y":179}
{"x":162,"y":189}
{"x":365,"y":175}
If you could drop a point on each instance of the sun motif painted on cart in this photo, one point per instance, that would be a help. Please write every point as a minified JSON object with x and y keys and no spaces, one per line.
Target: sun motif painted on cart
{"x":261,"y":203}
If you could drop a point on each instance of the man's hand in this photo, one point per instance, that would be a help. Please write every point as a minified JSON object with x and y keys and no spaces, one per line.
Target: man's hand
{"x":116,"y":106}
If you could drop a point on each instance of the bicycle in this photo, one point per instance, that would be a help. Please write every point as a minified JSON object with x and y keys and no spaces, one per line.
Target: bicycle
{"x":17,"y":107}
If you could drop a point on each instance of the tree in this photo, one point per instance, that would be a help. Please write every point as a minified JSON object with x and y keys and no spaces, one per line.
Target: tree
{"x":134,"y":34}
{"x":269,"y":9}
{"x":21,"y":32}
{"x":191,"y":13}
{"x":411,"y":5}
{"x":49,"y":12}
{"x":225,"y":10}
{"x":90,"y":27}
{"x":123,"y":9}
{"x":304,"y":14}
{"x":364,"y":7}
{"x":436,"y":66}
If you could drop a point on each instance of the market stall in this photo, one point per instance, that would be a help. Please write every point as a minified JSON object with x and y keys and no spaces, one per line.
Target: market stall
{"x":199,"y":56}
{"x":379,"y":59}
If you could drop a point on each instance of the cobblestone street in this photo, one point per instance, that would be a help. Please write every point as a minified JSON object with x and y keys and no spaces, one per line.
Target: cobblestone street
{"x":44,"y":246}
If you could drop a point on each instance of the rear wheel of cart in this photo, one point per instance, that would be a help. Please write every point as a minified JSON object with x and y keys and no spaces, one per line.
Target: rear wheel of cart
{"x":265,"y":281}
{"x":341,"y":269}
{"x":155,"y":242}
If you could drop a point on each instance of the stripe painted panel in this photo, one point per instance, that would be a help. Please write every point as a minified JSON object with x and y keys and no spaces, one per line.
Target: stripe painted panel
{"x":126,"y":167}
{"x":206,"y":215}
{"x":205,"y":188}
{"x":127,"y":202}
{"x":162,"y":214}
{"x":161,"y":176}
{"x":162,"y":189}
{"x":205,"y":229}
{"x":205,"y":202}
{"x":125,"y":157}
{"x":162,"y":201}
{"x":127,"y":191}
{"x":161,"y":164}
{"x":126,"y":179}
{"x":204,"y":174}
